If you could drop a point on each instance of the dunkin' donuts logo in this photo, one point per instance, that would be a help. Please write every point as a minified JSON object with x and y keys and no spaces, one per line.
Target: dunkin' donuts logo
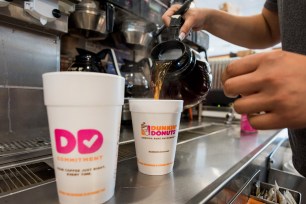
{"x":86,"y":141}
{"x":157,"y":130}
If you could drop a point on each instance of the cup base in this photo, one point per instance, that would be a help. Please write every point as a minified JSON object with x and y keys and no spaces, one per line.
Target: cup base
{"x":150,"y":173}
{"x":87,"y":200}
{"x":155,"y":171}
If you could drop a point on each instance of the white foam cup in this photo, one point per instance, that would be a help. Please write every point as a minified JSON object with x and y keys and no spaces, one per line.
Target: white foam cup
{"x":155,"y":129}
{"x":84,"y":115}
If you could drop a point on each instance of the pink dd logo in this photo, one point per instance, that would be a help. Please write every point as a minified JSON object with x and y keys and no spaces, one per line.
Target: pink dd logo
{"x":87,"y":140}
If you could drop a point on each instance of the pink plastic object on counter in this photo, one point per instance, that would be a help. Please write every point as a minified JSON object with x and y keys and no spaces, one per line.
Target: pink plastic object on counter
{"x":245,"y":125}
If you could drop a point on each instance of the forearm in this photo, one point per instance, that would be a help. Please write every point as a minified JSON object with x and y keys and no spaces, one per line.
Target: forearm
{"x":259,"y":31}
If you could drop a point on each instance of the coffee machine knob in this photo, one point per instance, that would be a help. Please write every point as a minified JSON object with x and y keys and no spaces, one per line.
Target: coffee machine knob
{"x":56,"y":13}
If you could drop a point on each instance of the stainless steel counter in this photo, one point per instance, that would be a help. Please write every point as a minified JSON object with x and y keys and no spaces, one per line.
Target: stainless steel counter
{"x":198,"y":164}
{"x":204,"y":163}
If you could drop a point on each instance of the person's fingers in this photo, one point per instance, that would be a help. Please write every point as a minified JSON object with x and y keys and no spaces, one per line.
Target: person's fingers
{"x":182,"y":36}
{"x":242,"y":66}
{"x":253,"y":104}
{"x":266,"y":121}
{"x":167,"y":15}
{"x":242,"y":85}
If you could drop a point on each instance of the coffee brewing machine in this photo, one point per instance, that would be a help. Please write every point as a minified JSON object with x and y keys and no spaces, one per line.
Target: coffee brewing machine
{"x":130,"y":29}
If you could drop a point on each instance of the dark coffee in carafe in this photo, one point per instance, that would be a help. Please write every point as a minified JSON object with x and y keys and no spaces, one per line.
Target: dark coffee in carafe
{"x":178,"y":73}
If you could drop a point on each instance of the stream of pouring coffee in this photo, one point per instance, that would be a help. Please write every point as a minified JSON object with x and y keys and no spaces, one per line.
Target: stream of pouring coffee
{"x":160,"y":74}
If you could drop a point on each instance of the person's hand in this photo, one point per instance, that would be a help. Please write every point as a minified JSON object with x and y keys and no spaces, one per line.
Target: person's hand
{"x":194,"y":19}
{"x":272,"y":86}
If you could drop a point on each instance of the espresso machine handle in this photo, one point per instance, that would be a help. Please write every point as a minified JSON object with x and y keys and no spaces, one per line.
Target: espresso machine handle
{"x":112,"y":54}
{"x":110,"y":17}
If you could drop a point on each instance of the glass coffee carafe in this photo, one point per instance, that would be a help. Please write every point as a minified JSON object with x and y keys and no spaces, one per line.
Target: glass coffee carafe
{"x":179,"y":73}
{"x":137,"y":77}
{"x":88,"y":61}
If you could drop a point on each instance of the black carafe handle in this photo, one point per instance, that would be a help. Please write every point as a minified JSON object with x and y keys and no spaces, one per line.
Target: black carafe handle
{"x":181,"y":11}
{"x":102,"y":54}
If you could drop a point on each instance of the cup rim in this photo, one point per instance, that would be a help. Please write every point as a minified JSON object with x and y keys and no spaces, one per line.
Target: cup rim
{"x":150,"y":105}
{"x":155,"y":100}
{"x":75,"y":73}
{"x":78,"y":89}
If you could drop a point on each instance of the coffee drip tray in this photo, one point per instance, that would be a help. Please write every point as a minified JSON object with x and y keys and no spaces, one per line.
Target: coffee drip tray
{"x":21,"y":177}
{"x":16,"y":150}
